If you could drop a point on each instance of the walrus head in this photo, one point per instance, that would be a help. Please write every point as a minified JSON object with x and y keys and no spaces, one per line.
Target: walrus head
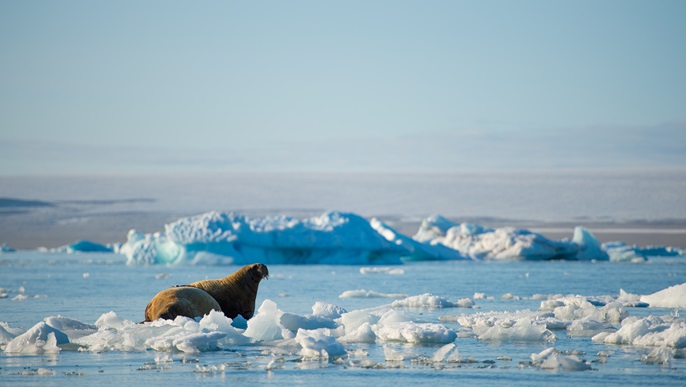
{"x":258,"y":271}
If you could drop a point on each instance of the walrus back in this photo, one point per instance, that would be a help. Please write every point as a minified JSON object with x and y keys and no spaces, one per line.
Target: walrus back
{"x":180,"y":301}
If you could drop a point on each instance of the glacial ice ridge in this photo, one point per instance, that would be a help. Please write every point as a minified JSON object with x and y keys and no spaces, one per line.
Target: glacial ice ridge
{"x":225,"y":238}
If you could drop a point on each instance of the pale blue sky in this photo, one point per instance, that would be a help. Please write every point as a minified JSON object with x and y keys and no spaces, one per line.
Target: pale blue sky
{"x":164,"y":86}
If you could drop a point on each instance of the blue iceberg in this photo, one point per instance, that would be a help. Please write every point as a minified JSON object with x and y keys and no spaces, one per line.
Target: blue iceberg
{"x":217,"y":238}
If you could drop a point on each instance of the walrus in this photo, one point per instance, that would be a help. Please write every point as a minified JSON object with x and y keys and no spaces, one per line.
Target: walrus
{"x":233,"y":295}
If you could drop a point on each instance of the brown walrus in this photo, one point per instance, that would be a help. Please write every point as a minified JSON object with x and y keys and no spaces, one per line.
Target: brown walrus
{"x":180,"y":301}
{"x":232,"y":295}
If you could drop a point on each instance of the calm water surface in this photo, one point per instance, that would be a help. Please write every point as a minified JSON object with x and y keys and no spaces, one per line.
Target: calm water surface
{"x":83,"y":287}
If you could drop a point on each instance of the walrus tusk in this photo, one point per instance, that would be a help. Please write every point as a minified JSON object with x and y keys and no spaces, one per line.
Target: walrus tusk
{"x":233,"y":295}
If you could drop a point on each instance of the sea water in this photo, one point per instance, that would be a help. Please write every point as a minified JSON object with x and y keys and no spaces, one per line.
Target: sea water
{"x":84,"y":287}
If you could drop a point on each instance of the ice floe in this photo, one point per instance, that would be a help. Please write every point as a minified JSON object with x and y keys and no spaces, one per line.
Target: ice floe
{"x":39,"y":339}
{"x":331,"y":333}
{"x":651,"y":331}
{"x":553,"y":359}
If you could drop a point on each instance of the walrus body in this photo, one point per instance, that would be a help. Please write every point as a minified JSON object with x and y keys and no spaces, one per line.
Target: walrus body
{"x":180,"y":301}
{"x":233,"y":295}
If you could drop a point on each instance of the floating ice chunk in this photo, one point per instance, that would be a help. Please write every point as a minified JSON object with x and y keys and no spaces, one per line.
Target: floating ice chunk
{"x":39,"y":339}
{"x":217,"y":321}
{"x":588,"y":328}
{"x":589,"y":247}
{"x":322,"y":309}
{"x":6,"y":249}
{"x":362,"y":334}
{"x":315,"y":344}
{"x":620,"y":252}
{"x":198,"y":342}
{"x":650,"y":331}
{"x":630,"y":300}
{"x":425,"y":300}
{"x":479,"y":242}
{"x":7,"y":333}
{"x":294,"y":322}
{"x":381,"y":270}
{"x":362,"y":293}
{"x":551,"y":358}
{"x":464,"y":303}
{"x":415,"y":333}
{"x":393,"y":316}
{"x":523,"y":329}
{"x":110,"y":320}
{"x":660,"y":355}
{"x":671,"y":297}
{"x":447,"y":353}
{"x":509,"y":296}
{"x":266,"y":324}
{"x":392,"y":355}
{"x":161,"y":359}
{"x":571,"y":308}
{"x":72,"y":328}
{"x":353,"y":320}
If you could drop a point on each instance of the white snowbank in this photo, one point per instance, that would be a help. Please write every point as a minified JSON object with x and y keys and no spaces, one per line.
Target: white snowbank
{"x":671,"y":297}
